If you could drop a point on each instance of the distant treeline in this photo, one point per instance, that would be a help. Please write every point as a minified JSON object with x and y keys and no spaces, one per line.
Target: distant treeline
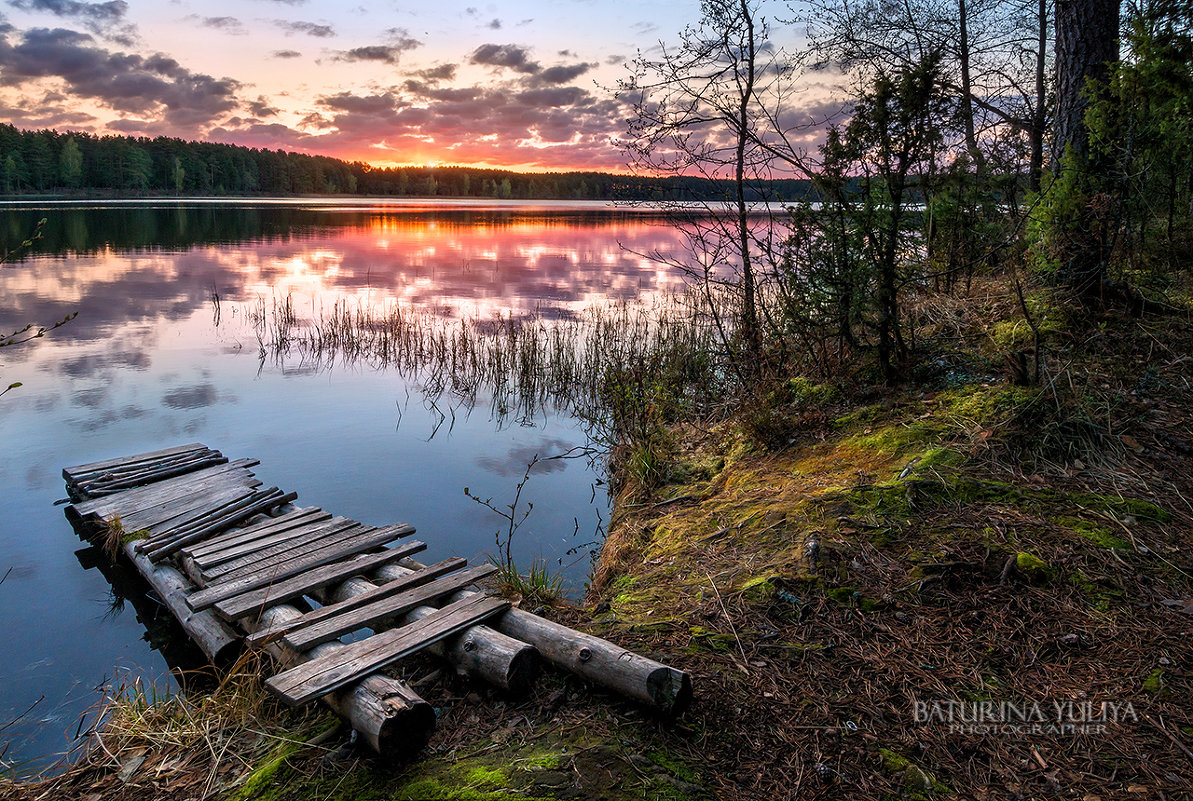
{"x":39,"y":162}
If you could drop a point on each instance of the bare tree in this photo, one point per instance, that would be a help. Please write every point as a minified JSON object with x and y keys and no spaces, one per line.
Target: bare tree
{"x":993,"y":58}
{"x":709,"y":108}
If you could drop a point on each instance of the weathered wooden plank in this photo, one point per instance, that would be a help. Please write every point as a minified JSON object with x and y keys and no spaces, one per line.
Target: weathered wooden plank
{"x":327,"y":673}
{"x":237,"y":537}
{"x":368,"y":596}
{"x":266,"y":502}
{"x":339,"y":546}
{"x":293,"y":532}
{"x":316,"y":535}
{"x":231,"y":474}
{"x":180,"y":510}
{"x":252,"y":602}
{"x":273,"y":574}
{"x":82,"y":480}
{"x":342,"y":543}
{"x":167,"y":532}
{"x":67,"y":472}
{"x":388,"y":715}
{"x":308,"y":636}
{"x":480,"y":652}
{"x":96,"y":489}
{"x":220,"y":642}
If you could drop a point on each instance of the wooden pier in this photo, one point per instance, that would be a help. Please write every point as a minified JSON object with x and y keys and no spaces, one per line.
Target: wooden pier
{"x":237,"y":566}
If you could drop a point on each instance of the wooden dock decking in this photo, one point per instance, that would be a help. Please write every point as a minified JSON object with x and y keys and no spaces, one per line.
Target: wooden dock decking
{"x":236,"y":563}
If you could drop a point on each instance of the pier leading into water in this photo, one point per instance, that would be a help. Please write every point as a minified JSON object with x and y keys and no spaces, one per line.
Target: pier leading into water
{"x":241,"y":566}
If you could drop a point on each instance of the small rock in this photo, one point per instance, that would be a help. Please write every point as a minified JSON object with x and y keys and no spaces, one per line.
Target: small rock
{"x":1070,"y":640}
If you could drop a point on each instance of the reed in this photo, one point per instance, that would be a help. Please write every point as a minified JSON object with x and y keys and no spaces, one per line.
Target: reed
{"x":608,"y":365}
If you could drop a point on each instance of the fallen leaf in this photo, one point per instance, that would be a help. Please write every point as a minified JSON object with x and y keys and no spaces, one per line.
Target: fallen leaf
{"x":1131,"y":442}
{"x":130,"y":767}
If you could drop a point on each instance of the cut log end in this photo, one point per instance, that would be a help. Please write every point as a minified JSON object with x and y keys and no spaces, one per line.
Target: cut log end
{"x":405,"y":733}
{"x":523,"y":671}
{"x":670,"y":690}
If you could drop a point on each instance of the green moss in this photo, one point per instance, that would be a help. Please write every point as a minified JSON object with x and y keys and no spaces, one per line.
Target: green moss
{"x":1032,"y":567}
{"x":801,"y":390}
{"x":267,"y":780}
{"x":859,"y":418}
{"x":1094,"y":533}
{"x":984,"y":405}
{"x":674,"y":766}
{"x":895,"y":439}
{"x":485,"y":777}
{"x":710,"y":640}
{"x":919,"y":783}
{"x":1154,"y":684}
{"x":543,"y":760}
{"x":133,"y":536}
{"x":759,"y":590}
{"x":1121,"y":507}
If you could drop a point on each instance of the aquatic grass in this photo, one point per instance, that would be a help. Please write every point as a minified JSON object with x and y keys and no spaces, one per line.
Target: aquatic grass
{"x":220,"y":732}
{"x":609,"y":365}
{"x":537,"y":587}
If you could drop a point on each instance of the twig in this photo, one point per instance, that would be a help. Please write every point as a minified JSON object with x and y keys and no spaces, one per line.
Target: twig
{"x":1170,"y":735}
{"x":728,"y":619}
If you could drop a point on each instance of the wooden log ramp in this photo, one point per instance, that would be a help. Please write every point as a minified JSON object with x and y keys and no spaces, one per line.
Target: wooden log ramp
{"x":238,"y":565}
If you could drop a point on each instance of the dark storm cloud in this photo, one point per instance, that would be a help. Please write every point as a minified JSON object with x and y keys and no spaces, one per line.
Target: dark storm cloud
{"x":99,"y":14}
{"x":442,"y":72}
{"x":262,"y":108}
{"x":400,"y":41}
{"x":508,"y":56}
{"x":562,"y":74}
{"x":226,"y":24}
{"x":126,"y":82}
{"x":309,"y":28}
{"x":104,"y":19}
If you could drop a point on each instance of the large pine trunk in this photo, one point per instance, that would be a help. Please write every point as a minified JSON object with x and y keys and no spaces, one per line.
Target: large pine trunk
{"x":1086,"y":43}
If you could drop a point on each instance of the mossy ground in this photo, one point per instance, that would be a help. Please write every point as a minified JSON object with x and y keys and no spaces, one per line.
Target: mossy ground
{"x":967,"y":541}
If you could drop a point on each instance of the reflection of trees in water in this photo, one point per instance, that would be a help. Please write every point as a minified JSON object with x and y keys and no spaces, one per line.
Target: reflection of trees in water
{"x":177,"y":227}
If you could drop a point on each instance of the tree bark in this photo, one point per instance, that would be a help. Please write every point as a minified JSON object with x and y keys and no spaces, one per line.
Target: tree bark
{"x":1086,"y":42}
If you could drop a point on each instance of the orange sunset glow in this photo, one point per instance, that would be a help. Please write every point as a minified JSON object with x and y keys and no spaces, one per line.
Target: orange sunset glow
{"x":524,"y":86}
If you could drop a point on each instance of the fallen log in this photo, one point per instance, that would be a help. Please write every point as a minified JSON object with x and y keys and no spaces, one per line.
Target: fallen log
{"x":219,"y":642}
{"x":391,"y":718}
{"x":596,"y":660}
{"x":480,"y":652}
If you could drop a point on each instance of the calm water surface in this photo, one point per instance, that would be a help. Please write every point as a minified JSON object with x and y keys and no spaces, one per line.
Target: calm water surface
{"x":151,"y":361}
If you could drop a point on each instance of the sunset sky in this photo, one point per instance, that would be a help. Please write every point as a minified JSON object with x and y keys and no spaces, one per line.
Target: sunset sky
{"x":511,"y":84}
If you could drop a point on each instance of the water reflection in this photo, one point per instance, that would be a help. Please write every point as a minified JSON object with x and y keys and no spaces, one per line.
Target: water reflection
{"x":163,"y":351}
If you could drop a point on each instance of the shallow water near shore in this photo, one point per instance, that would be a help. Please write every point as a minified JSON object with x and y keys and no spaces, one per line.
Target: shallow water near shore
{"x":165,"y":351}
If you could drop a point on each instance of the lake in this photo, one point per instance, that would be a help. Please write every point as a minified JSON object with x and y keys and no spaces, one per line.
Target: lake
{"x":165,"y":351}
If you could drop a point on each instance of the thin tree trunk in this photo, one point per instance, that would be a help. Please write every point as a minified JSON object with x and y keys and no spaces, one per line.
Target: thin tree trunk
{"x":750,"y":328}
{"x":1038,"y":116}
{"x":971,"y":138}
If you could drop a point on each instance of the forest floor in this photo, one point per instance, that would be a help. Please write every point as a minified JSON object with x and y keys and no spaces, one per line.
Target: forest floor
{"x":850,"y":575}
